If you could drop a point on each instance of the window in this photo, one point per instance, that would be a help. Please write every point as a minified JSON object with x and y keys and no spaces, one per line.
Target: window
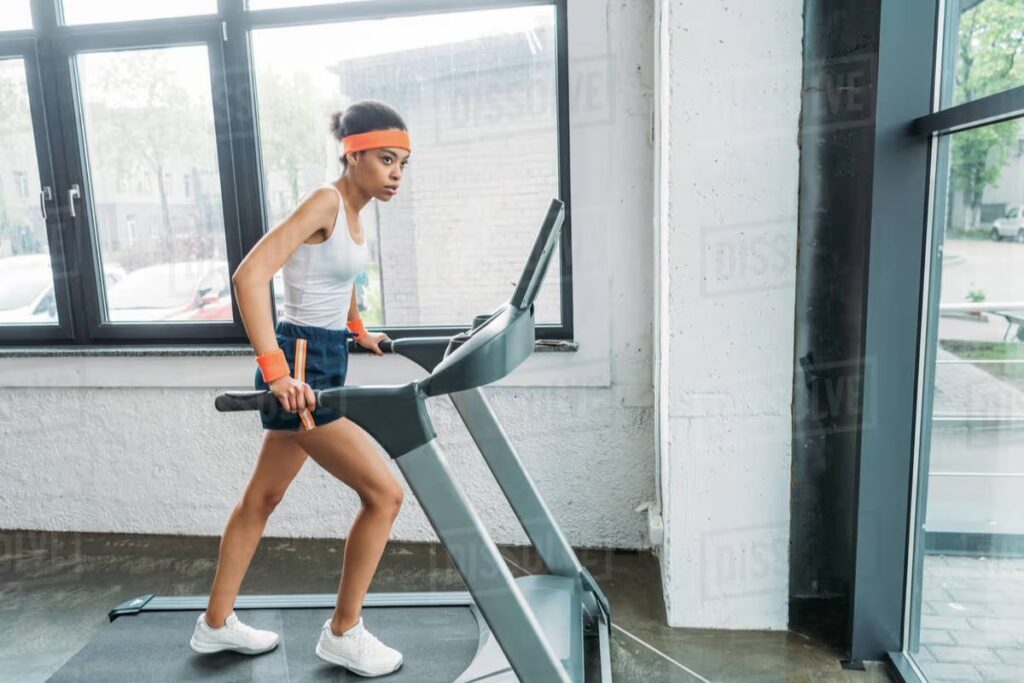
{"x":162,"y":292}
{"x":25,"y":265}
{"x":987,"y":41}
{"x":477,"y":90}
{"x":272,"y":4}
{"x":16,"y":15}
{"x":151,"y":111}
{"x":973,"y":467}
{"x":961,"y":442}
{"x":21,"y":184}
{"x":97,"y":11}
{"x":135,"y":133}
{"x":47,"y":306}
{"x":23,"y":281}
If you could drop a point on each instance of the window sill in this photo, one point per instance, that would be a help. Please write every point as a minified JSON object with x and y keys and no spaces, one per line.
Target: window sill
{"x":189,"y":351}
{"x":124,"y":351}
{"x":233,"y":367}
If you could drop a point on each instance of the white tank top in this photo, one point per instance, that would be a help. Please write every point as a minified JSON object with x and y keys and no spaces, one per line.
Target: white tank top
{"x":318,"y":278}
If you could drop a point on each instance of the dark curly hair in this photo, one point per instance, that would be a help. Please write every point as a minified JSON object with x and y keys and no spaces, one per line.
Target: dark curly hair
{"x":362,"y":117}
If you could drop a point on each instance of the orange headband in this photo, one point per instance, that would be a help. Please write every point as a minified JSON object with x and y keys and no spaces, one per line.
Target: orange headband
{"x":391,"y":137}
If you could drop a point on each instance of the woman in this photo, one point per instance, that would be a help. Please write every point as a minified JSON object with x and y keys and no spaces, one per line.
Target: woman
{"x":321,"y":248}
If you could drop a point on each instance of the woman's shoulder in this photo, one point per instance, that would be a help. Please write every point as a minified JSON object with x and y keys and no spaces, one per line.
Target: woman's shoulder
{"x":324,"y":203}
{"x":326,"y":193}
{"x":322,"y":199}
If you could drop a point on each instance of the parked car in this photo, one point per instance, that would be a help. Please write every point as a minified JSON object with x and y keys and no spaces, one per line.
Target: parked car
{"x":185,"y":291}
{"x":26,"y":288}
{"x":219,"y":307}
{"x":23,"y":281}
{"x":171,"y":291}
{"x":1010,"y":226}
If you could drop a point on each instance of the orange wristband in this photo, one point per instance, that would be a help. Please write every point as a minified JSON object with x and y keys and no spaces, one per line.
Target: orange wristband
{"x":356,"y":327}
{"x":273,"y":365}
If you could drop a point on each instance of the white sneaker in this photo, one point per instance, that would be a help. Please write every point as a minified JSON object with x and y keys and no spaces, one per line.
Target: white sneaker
{"x":233,"y":635}
{"x":357,"y":650}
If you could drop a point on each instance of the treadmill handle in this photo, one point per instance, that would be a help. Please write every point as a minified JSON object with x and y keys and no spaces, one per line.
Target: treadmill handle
{"x":234,"y":401}
{"x":384,"y":346}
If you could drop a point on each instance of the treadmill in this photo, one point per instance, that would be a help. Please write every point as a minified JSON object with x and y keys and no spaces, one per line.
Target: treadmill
{"x":543,"y":628}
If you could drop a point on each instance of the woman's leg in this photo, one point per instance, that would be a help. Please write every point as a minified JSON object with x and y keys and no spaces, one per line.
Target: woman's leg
{"x":281,"y":458}
{"x":343,"y":449}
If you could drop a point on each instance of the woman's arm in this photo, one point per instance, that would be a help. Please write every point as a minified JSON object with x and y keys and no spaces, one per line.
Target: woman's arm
{"x":252,"y":278}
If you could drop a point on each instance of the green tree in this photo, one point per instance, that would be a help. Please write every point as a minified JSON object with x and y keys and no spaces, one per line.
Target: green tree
{"x":977,"y":160}
{"x":140,"y":118}
{"x":293,"y":126}
{"x":990,"y":59}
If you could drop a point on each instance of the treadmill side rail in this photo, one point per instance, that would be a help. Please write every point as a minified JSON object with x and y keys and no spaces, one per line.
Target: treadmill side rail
{"x":516,"y":483}
{"x":555,"y":600}
{"x":533,"y":513}
{"x":477,"y":559}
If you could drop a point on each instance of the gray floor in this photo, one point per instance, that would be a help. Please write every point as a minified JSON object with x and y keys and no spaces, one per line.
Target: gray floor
{"x":56,"y":589}
{"x":972,"y":619}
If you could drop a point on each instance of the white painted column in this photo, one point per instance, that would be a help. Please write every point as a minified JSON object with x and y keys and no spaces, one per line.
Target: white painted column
{"x":725,"y":223}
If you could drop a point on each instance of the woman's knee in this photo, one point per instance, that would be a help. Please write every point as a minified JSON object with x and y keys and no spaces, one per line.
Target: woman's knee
{"x":263,"y":502}
{"x":387,"y":499}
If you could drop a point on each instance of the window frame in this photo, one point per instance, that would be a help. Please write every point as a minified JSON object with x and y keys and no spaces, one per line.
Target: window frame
{"x":909,"y":172}
{"x":23,"y":45}
{"x":227,"y":36}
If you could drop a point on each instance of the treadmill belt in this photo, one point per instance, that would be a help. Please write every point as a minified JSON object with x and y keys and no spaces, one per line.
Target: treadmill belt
{"x":437,"y":644}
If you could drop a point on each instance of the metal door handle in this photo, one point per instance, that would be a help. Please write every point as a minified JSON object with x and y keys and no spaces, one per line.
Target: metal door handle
{"x":45,"y":195}
{"x":73,"y":194}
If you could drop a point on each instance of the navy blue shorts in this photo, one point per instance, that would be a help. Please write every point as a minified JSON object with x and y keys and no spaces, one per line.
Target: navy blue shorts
{"x":323,"y":363}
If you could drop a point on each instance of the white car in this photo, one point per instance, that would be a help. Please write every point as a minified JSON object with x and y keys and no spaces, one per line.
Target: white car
{"x":1009,"y":226}
{"x":26,"y":288}
{"x":169,"y":291}
{"x":24,"y":280}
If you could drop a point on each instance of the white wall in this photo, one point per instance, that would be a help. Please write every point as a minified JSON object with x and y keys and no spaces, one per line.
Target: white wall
{"x":133,"y":444}
{"x":729,"y":78}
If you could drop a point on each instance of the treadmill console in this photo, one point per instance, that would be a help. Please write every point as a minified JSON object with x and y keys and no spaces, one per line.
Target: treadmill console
{"x":497,"y":344}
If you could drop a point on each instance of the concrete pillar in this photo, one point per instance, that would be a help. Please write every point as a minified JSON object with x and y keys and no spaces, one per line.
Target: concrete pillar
{"x":729,"y":79}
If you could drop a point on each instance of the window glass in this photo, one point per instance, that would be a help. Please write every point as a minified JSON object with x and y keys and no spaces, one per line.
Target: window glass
{"x":149,"y":121}
{"x":272,"y":4}
{"x":25,"y":269}
{"x":16,"y":15}
{"x":986,"y":49}
{"x":96,"y":11}
{"x":477,"y":91}
{"x":969,"y":561}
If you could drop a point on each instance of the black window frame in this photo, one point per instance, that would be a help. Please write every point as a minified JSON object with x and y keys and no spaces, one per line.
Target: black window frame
{"x":47,"y":48}
{"x":899,"y":335}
